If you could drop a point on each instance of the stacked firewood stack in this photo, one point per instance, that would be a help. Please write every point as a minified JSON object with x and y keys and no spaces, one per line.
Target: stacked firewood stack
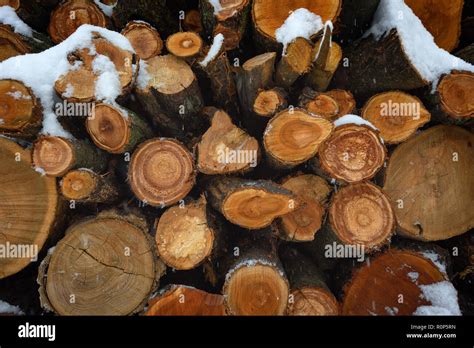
{"x":222,"y":171}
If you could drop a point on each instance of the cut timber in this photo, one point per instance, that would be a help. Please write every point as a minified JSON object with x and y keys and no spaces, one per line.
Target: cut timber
{"x":184,"y":236}
{"x":55,"y":156}
{"x":177,"y":300}
{"x":184,"y":44}
{"x":172,"y":95}
{"x":375,"y":288}
{"x":344,"y":99}
{"x":161,"y":172}
{"x":250,"y":204}
{"x":397,"y":115}
{"x":230,"y":19}
{"x":269,"y":102}
{"x":361,"y":214}
{"x":309,"y":293}
{"x":21,"y":114}
{"x":294,"y":63}
{"x":355,"y":18}
{"x":441,"y":18}
{"x":255,"y":283}
{"x":192,"y":21}
{"x":225,"y":148}
{"x":107,"y":263}
{"x":29,"y":208}
{"x":79,"y":85}
{"x":326,"y":58}
{"x":377,"y":66}
{"x":267,"y":17}
{"x":144,"y":39}
{"x":312,"y":193}
{"x":115,"y":129}
{"x":352,"y":153}
{"x":294,"y":136}
{"x":430,"y":180}
{"x":70,"y":15}
{"x":85,"y":186}
{"x":319,"y":104}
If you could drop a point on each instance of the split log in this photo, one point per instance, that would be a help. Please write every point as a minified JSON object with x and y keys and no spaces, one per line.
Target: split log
{"x":230,"y":19}
{"x":429,"y":180}
{"x":161,"y":172}
{"x":14,"y":44}
{"x":250,"y":204}
{"x":295,"y":62}
{"x":397,"y":115}
{"x":443,"y":20}
{"x":294,"y":136}
{"x":192,"y":21}
{"x":312,"y":193}
{"x":31,"y":209}
{"x":85,"y":186}
{"x":186,"y":45}
{"x":115,"y":129}
{"x":355,"y":18}
{"x":353,"y":153}
{"x":319,"y":104}
{"x":70,"y":15}
{"x":105,"y":265}
{"x":309,"y":293}
{"x":55,"y":156}
{"x":145,"y":39}
{"x":225,"y":148}
{"x":177,"y":300}
{"x":267,"y":17}
{"x":21,"y":113}
{"x":390,"y":284}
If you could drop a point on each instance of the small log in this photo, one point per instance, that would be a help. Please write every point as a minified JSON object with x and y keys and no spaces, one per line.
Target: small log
{"x":312,"y":193}
{"x":319,"y":104}
{"x":85,"y":186}
{"x":55,"y":156}
{"x":397,"y":115}
{"x":161,"y":172}
{"x":21,"y":114}
{"x":309,"y":293}
{"x":294,"y":136}
{"x":70,"y":15}
{"x":295,"y":62}
{"x":353,"y":153}
{"x":14,"y":44}
{"x":192,"y":21}
{"x":177,"y":300}
{"x":429,"y":179}
{"x":250,"y":204}
{"x":186,"y":45}
{"x":144,"y":38}
{"x":105,"y":265}
{"x":344,"y":99}
{"x":31,"y":207}
{"x":269,"y":102}
{"x":115,"y":129}
{"x":225,"y":148}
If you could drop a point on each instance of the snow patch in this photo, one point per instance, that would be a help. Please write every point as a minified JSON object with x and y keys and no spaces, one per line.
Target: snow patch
{"x":443,"y":297}
{"x":413,"y":276}
{"x":429,"y":60}
{"x":40,"y":170}
{"x":108,"y":86}
{"x":217,"y":6}
{"x":330,"y":26}
{"x":252,"y":263}
{"x":18,"y":95}
{"x":214,"y":50}
{"x":107,"y":9}
{"x":353,"y":119}
{"x":143,"y":77}
{"x":434,"y":257}
{"x":8,"y":308}
{"x":8,"y":16}
{"x":300,"y":23}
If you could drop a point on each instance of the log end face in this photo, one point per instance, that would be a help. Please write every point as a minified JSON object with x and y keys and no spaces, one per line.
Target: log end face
{"x":17,"y":105}
{"x":456,"y":92}
{"x":54,"y":155}
{"x":145,"y":40}
{"x":78,"y":184}
{"x":184,"y":44}
{"x":312,"y":301}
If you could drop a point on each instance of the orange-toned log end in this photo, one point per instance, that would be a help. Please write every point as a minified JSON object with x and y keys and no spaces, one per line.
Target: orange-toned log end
{"x":18,"y":107}
{"x":70,"y":15}
{"x":144,"y":38}
{"x":324,"y":106}
{"x":10,"y":44}
{"x":29,"y":207}
{"x":294,"y":136}
{"x":54,"y":155}
{"x":269,"y":102}
{"x":312,"y":301}
{"x":345,"y":101}
{"x":225,"y":148}
{"x":109,"y":128}
{"x":78,"y":184}
{"x":12,"y":3}
{"x":184,"y":44}
{"x":375,"y":288}
{"x":397,"y":115}
{"x":161,"y":172}
{"x":184,"y":300}
{"x":230,"y":8}
{"x":311,"y":192}
{"x":183,"y":236}
{"x":441,"y":18}
{"x":361,"y":214}
{"x":456,"y":92}
{"x":255,"y":289}
{"x":192,"y":21}
{"x":268,"y":18}
{"x":353,"y":153}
